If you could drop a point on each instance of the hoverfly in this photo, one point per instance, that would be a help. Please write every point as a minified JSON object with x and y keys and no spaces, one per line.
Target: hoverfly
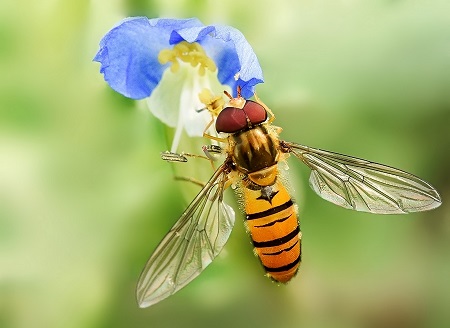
{"x":254,"y":153}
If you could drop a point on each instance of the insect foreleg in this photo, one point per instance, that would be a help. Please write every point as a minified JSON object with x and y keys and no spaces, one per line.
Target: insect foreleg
{"x":212,"y":150}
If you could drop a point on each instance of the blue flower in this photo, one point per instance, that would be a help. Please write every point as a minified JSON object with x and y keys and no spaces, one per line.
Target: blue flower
{"x":180,"y":65}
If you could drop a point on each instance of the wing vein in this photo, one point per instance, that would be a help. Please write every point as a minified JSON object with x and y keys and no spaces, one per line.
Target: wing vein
{"x":362,"y":185}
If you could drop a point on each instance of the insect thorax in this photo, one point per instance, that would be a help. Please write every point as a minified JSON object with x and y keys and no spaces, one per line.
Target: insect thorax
{"x":255,"y":154}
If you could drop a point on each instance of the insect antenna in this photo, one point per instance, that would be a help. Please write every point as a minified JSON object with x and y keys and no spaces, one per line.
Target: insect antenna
{"x":228,"y":94}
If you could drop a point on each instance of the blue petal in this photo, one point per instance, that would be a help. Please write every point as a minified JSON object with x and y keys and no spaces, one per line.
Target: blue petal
{"x":230,"y":51}
{"x":129,"y":53}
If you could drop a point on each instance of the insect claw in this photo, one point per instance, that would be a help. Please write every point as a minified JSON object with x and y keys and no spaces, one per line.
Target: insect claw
{"x":210,"y":150}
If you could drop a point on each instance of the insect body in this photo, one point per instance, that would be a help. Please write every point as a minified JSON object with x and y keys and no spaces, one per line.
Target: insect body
{"x":253,"y":156}
{"x":271,"y":215}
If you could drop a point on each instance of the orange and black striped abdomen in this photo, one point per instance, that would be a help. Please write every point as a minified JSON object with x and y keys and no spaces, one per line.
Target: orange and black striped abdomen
{"x":273,"y":225}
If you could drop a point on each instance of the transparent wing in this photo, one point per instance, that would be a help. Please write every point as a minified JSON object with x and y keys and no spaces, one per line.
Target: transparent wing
{"x":192,"y":243}
{"x":362,"y":185}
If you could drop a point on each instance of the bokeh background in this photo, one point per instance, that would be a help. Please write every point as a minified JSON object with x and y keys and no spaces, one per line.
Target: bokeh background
{"x":85,"y":198}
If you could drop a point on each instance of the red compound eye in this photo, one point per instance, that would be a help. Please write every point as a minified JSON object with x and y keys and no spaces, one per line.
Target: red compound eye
{"x":255,"y":112}
{"x":232,"y":119}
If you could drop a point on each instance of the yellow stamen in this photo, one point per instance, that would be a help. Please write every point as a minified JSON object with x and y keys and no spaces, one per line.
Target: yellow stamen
{"x":191,"y":53}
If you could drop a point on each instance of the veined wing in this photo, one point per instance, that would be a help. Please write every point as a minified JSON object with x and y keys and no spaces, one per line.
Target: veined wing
{"x":362,"y":185}
{"x":193,"y":242}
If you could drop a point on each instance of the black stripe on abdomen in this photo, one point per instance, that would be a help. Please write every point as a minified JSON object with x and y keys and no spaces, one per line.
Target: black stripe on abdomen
{"x":278,"y":241}
{"x":283,"y":250}
{"x":273,"y":222}
{"x":284,"y":267}
{"x":270,"y":211}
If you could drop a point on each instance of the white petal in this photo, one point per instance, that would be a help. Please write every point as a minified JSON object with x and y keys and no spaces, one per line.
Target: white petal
{"x":175,"y":101}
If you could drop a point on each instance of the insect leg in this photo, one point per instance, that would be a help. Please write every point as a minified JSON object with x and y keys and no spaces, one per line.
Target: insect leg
{"x":182,"y":157}
{"x":211,"y":150}
{"x":194,"y":181}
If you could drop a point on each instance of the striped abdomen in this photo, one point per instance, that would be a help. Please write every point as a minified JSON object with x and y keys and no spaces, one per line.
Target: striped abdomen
{"x":273,"y":225}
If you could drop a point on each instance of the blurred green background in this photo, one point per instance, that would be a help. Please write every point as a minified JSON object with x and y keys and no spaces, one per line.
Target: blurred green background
{"x":85,"y":198}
